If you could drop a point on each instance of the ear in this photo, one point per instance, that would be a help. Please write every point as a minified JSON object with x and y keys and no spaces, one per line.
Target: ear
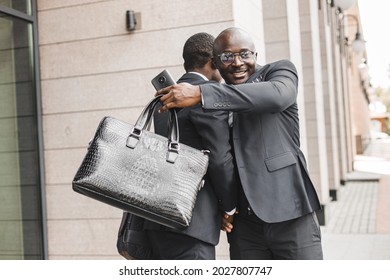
{"x":213,"y":63}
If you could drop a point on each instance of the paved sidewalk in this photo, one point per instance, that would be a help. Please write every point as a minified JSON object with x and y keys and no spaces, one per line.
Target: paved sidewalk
{"x":358,"y":227}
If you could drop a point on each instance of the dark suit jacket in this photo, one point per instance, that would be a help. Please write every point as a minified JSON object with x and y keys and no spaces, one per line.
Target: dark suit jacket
{"x":206,"y":131}
{"x":271,"y":166}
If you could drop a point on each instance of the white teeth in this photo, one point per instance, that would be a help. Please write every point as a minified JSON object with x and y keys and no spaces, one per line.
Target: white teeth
{"x":239,"y":73}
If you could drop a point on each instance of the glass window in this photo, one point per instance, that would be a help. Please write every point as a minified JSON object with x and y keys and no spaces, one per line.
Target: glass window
{"x":20,"y":5}
{"x":20,"y":202}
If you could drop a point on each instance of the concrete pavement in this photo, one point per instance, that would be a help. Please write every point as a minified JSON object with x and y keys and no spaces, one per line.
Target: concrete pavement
{"x":358,"y":227}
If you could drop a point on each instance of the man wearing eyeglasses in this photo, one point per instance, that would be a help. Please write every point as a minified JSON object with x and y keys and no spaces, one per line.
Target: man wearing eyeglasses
{"x":276,"y":217}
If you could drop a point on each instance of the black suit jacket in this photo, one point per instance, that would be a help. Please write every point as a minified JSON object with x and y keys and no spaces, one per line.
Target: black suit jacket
{"x":206,"y":131}
{"x":271,"y":166}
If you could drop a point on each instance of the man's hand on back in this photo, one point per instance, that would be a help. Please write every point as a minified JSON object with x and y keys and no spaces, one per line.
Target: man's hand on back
{"x":179,"y":96}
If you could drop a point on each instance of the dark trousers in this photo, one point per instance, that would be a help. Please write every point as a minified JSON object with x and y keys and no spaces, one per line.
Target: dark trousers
{"x":167,"y":245}
{"x":254,"y":239}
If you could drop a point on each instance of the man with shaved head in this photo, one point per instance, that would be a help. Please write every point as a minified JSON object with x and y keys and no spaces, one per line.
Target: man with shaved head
{"x":276,"y":216}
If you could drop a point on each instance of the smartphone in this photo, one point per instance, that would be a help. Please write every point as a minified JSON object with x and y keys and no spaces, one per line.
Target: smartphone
{"x":162,"y":80}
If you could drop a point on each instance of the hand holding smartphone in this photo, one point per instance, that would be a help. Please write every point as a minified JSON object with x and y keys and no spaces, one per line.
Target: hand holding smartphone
{"x":162,"y":80}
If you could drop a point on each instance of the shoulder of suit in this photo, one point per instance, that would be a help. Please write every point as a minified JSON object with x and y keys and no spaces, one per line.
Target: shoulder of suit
{"x":263,"y":70}
{"x":285,"y":63}
{"x":192,"y":78}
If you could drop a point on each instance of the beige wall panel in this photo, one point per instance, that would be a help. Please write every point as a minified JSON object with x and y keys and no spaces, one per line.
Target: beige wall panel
{"x":315,"y":173}
{"x":117,"y":54}
{"x":99,"y":92}
{"x":74,"y":130}
{"x":63,"y":204}
{"x":310,"y":111}
{"x":62,"y":165}
{"x":309,"y":81}
{"x":311,"y":127}
{"x":325,"y":76}
{"x":155,"y":15}
{"x":305,"y":23}
{"x":276,"y":30}
{"x":310,"y":86}
{"x":70,"y":130}
{"x":275,"y":9}
{"x":55,"y":4}
{"x":306,"y":42}
{"x":276,"y":51}
{"x":108,"y":55}
{"x":82,"y":238}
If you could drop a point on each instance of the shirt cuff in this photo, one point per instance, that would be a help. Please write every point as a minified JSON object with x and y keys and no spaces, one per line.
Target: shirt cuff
{"x":201,"y":96}
{"x":231,"y":212}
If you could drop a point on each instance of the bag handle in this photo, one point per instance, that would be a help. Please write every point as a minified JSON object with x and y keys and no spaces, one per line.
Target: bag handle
{"x":144,"y":121}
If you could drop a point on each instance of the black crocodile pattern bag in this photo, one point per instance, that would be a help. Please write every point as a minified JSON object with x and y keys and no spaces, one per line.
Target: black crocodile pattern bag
{"x":130,"y":167}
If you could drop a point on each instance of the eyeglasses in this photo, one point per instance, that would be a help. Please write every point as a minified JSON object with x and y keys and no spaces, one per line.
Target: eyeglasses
{"x":227,"y":58}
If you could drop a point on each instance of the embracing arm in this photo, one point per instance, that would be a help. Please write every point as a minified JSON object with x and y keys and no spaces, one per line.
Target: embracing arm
{"x":277,"y":91}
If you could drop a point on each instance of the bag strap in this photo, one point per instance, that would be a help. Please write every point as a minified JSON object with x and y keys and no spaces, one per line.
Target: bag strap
{"x":145,"y":117}
{"x":173,"y":134}
{"x":143,"y":122}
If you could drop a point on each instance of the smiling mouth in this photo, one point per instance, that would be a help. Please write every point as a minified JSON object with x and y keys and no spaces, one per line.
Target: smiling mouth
{"x":239,"y":74}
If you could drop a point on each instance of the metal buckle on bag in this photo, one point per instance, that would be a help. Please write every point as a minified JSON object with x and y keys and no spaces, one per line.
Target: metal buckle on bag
{"x":134,"y":137}
{"x":201,"y":185}
{"x":136,"y":132}
{"x":174,"y":147}
{"x":173,"y":151}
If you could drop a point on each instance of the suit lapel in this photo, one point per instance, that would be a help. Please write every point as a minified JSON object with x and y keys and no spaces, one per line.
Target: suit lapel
{"x":259,"y":75}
